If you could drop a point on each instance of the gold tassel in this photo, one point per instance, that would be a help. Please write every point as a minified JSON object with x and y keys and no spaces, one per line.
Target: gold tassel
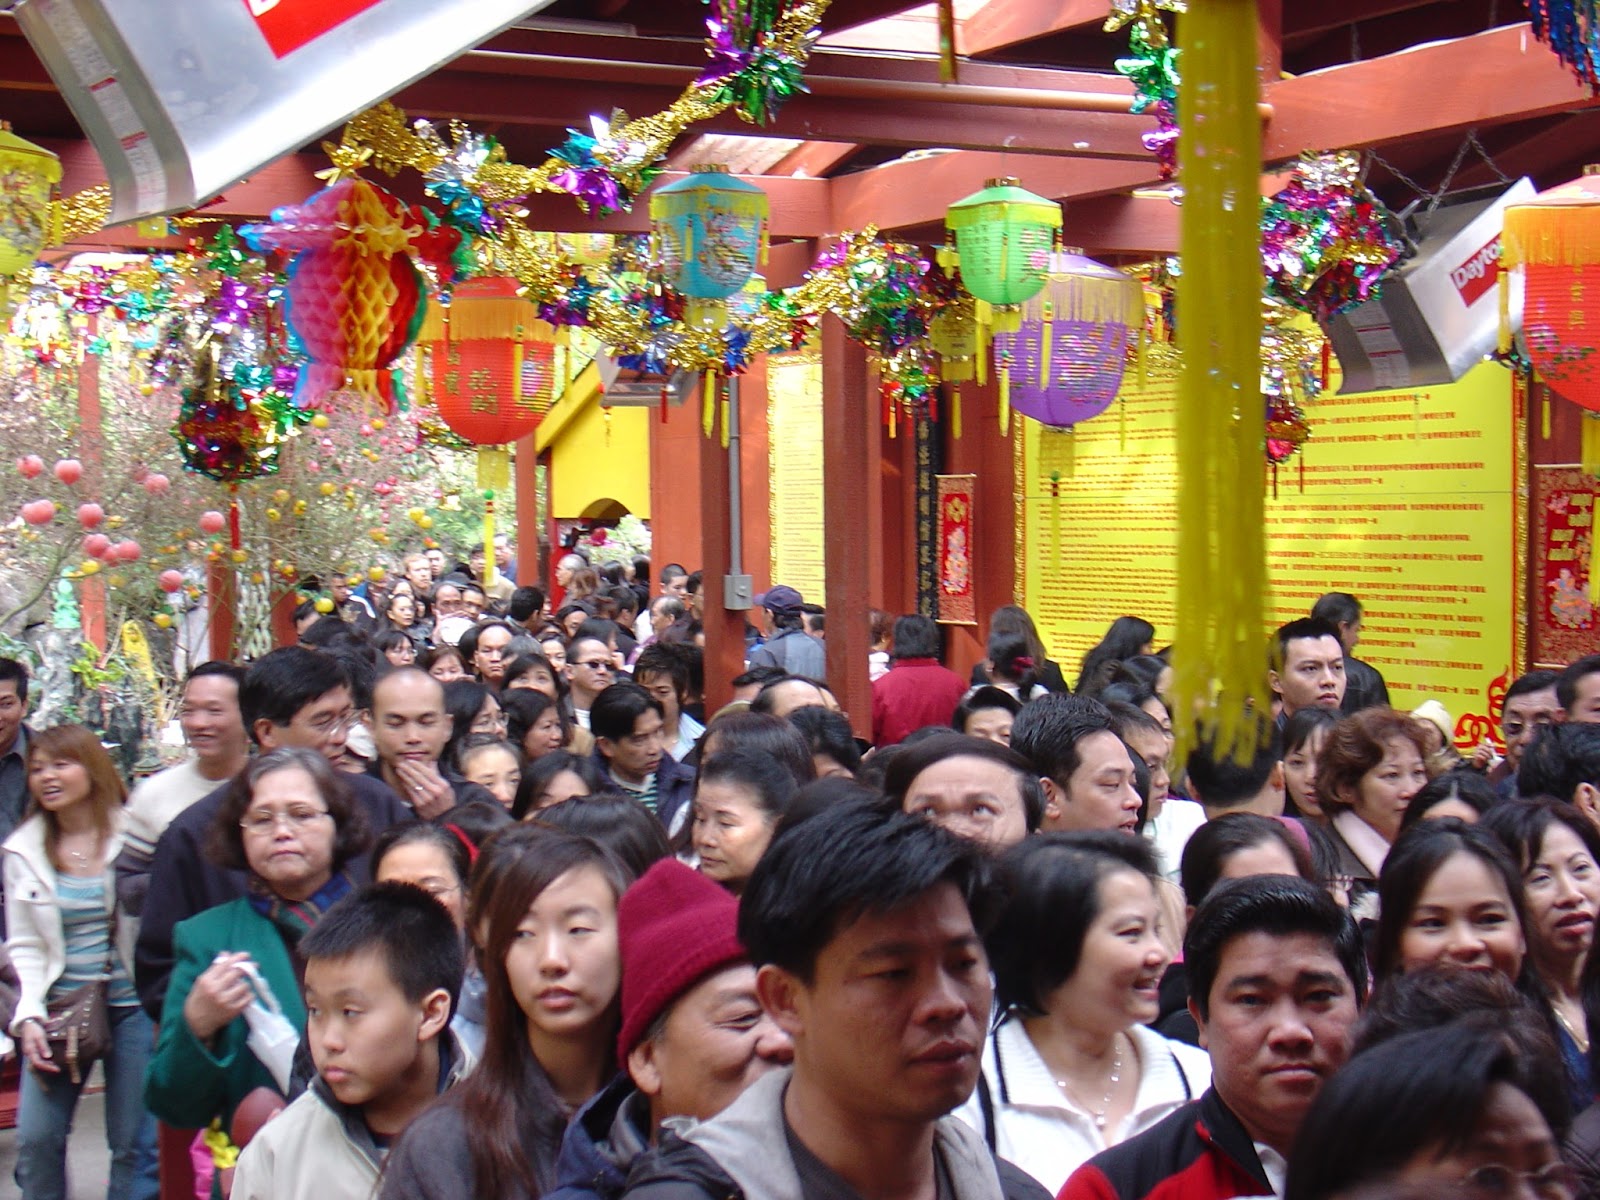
{"x":1055,"y":519}
{"x":1046,"y":341}
{"x":894,"y":419}
{"x":724,"y":407}
{"x":947,"y":41}
{"x":489,"y":571}
{"x":1223,"y":590}
{"x":1590,"y":456}
{"x":1544,"y":417}
{"x":1504,"y":346}
{"x":708,"y":403}
{"x":1005,"y":401}
{"x":516,"y":373}
{"x":955,"y":413}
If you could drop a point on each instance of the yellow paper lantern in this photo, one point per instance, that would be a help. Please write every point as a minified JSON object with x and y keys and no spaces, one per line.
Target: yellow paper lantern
{"x":28,"y":177}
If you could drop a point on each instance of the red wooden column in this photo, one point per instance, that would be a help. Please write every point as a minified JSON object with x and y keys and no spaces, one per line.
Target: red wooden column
{"x":92,"y":593}
{"x":983,"y":451}
{"x":852,"y":516}
{"x":724,"y":657}
{"x":525,"y":537}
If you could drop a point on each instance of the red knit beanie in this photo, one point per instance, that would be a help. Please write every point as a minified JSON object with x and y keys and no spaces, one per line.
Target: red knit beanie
{"x":674,"y":927}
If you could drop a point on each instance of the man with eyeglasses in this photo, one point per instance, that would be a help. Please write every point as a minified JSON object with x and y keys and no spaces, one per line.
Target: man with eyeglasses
{"x":1531,"y":703}
{"x":290,"y":697}
{"x":590,"y":670}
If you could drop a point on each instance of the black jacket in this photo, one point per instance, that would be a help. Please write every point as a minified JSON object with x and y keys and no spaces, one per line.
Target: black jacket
{"x":1363,"y":687}
{"x":184,"y":882}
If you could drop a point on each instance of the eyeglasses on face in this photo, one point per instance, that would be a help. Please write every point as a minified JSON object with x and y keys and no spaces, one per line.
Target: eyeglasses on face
{"x":263,"y":821}
{"x":596,"y":664}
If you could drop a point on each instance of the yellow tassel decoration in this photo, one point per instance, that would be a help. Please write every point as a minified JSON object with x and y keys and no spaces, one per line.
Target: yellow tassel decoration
{"x":1504,"y":288}
{"x":1221,"y":659}
{"x":955,"y":413}
{"x":1590,"y":454}
{"x":726,"y":409}
{"x":708,"y":403}
{"x":1005,"y":401}
{"x":1544,"y":417}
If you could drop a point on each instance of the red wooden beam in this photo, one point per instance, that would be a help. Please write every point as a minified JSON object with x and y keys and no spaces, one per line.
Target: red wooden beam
{"x":1001,"y":24}
{"x":814,"y":160}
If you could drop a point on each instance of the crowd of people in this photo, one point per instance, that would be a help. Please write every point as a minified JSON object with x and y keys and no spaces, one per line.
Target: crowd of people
{"x":464,"y":897}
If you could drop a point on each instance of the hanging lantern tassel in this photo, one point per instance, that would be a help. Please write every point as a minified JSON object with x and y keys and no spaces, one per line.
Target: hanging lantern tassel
{"x":1590,"y":455}
{"x":1005,"y":400}
{"x":947,"y":41}
{"x":708,"y":403}
{"x":1046,"y":345}
{"x":489,"y":570}
{"x":1222,"y":577}
{"x":1544,"y":416}
{"x":724,"y":406}
{"x":1055,"y":518}
{"x":1504,"y":346}
{"x":955,"y":413}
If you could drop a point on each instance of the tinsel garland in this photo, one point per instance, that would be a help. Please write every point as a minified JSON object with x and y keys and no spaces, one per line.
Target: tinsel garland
{"x":1571,"y":28}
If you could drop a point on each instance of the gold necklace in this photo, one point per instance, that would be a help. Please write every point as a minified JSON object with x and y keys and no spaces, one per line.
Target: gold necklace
{"x":1583,"y":1042}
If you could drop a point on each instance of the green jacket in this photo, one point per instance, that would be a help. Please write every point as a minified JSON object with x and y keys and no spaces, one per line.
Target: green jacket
{"x":188,"y":1083}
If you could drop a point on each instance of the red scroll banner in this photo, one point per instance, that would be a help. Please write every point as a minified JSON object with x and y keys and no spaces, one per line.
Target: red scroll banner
{"x":957,"y":603}
{"x":1563,"y":510}
{"x":290,"y":24}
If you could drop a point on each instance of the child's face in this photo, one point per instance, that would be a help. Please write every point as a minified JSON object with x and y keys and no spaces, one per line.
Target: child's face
{"x":365,"y":1036}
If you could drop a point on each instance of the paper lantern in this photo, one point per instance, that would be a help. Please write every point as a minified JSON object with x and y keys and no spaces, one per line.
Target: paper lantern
{"x":711,"y":236}
{"x":1004,"y":235}
{"x":356,"y":300}
{"x":28,"y":176}
{"x":1065,"y":363}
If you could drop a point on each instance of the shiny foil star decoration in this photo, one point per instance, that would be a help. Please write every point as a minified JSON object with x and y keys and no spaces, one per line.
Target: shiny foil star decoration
{"x":1141,"y":12}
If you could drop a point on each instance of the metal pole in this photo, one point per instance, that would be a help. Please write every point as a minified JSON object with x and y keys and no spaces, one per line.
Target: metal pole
{"x":737,"y":593}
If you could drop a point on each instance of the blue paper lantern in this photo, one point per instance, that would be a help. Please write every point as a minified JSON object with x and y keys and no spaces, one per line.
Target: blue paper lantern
{"x":711,"y":237}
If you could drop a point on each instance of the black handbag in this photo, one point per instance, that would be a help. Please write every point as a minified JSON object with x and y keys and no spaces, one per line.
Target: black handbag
{"x":78,"y":1026}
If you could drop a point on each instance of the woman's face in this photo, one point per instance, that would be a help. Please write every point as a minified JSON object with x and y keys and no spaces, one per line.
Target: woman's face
{"x":402,"y":654}
{"x":1117,"y":981}
{"x":1158,"y":710}
{"x":573,"y":621}
{"x":563,"y":964}
{"x":537,"y":679}
{"x":57,"y":782}
{"x":1510,"y":1152}
{"x":288,"y":834}
{"x":556,"y":651}
{"x":1463,"y":918}
{"x":731,"y":832}
{"x":402,"y":610}
{"x":424,"y":865}
{"x":1300,"y":773}
{"x":1383,"y":792}
{"x":1270,"y":857}
{"x":496,"y":769}
{"x":1561,"y":892}
{"x":544,"y":735}
{"x":991,"y":724}
{"x":447,"y":668}
{"x":490,"y":718}
{"x":565,"y":785}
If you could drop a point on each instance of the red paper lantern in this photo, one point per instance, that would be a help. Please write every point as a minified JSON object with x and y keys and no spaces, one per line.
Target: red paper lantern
{"x":493,"y":363}
{"x":1554,"y":239}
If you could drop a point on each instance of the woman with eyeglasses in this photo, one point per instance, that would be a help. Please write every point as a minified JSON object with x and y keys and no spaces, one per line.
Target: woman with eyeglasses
{"x":291,"y":824}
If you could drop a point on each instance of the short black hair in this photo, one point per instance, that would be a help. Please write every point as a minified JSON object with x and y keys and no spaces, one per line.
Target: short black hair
{"x":1047,"y":732}
{"x":426,"y":833}
{"x":1420,"y":1090}
{"x":1560,"y":757}
{"x":216,"y":666}
{"x":15,"y":673}
{"x":916,"y":636}
{"x":224,"y":843}
{"x":670,"y":572}
{"x":1413,"y":861}
{"x":1219,"y":782}
{"x":1300,"y":728}
{"x":1294,"y":631}
{"x":668,"y":660}
{"x":772,"y":784}
{"x":618,"y":707}
{"x":1206,"y":854}
{"x":693,"y":582}
{"x":1130,"y":718}
{"x":847,"y":861}
{"x":1567,"y":681}
{"x":979,"y":699}
{"x":282,"y":682}
{"x":761,"y":675}
{"x":537,"y":777}
{"x":1277,"y":905}
{"x":408,"y":930}
{"x":525,"y":602}
{"x":1051,"y":885}
{"x":523,"y":708}
{"x":828,"y":732}
{"x":1337,"y":608}
{"x":1533,"y":681}
{"x":619,"y":823}
{"x":916,"y":757}
{"x":1463,"y":785}
{"x":324,"y":632}
{"x":766,"y":734}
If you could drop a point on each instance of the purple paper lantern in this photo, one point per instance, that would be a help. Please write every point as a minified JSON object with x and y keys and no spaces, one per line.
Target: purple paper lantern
{"x":1065,"y":364}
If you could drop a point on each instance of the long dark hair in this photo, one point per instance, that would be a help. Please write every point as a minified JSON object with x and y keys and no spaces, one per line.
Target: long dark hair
{"x":1127,"y":637}
{"x":513,"y":1118}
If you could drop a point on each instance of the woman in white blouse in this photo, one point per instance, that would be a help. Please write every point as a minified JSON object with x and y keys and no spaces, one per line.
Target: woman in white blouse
{"x":1070,"y":1069}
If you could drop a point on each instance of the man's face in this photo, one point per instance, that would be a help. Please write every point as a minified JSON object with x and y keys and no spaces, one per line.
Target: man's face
{"x":365,"y":1036}
{"x":446,"y":600}
{"x":1350,"y":635}
{"x":418,"y":573}
{"x":209,"y":716}
{"x":1282,"y":1009}
{"x":488,"y":659}
{"x":435,"y":562}
{"x":320,"y":725}
{"x":473,"y":602}
{"x":1524,"y":716}
{"x":715,"y":1042}
{"x":974,"y":798}
{"x":636,"y":757}
{"x":408,"y":721}
{"x":892,"y":1024}
{"x":1101,"y":793}
{"x":697,"y":606}
{"x":1313,"y":674}
{"x":791,"y":694}
{"x":339,"y":590}
{"x":502,"y":554}
{"x":660,"y":618}
{"x":589,"y":667}
{"x":11,"y":712}
{"x":565,"y":568}
{"x":663,"y":690}
{"x":1153,"y":747}
{"x":677,"y":587}
{"x":1586,"y":703}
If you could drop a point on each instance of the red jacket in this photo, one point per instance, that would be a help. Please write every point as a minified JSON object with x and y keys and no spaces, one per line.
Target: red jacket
{"x":915,"y":692}
{"x":1199,"y":1152}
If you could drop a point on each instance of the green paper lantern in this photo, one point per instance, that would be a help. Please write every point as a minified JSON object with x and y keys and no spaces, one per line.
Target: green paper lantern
{"x":1004,"y":235}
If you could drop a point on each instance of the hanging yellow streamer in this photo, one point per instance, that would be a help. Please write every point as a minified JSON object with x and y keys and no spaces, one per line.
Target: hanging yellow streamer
{"x":1222,"y":580}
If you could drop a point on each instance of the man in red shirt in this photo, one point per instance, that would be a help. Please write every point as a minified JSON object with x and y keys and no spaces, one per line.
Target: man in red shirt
{"x":918,"y":690}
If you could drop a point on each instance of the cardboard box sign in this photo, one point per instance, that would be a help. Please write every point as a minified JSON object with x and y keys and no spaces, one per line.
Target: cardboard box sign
{"x":1440,"y":315}
{"x":625,"y":387}
{"x":183,"y":98}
